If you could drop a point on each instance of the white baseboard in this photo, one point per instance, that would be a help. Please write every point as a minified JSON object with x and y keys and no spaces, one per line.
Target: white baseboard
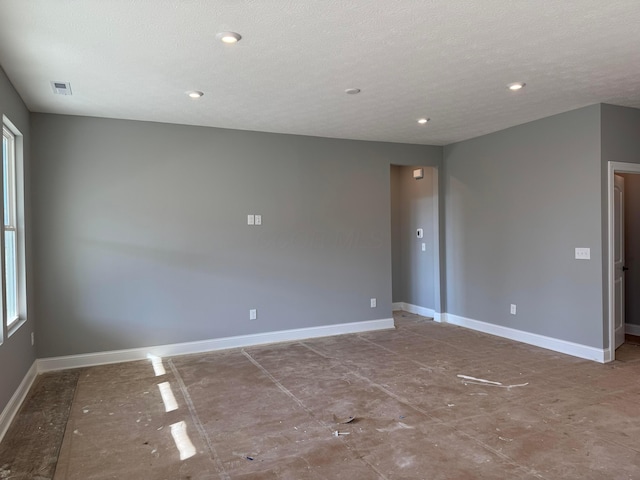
{"x":425,"y":312}
{"x":117,"y":356}
{"x":561,"y":346}
{"x":10,"y":411}
{"x":632,"y":329}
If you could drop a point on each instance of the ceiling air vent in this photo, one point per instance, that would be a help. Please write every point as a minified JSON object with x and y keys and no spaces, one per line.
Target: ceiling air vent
{"x":61,"y":88}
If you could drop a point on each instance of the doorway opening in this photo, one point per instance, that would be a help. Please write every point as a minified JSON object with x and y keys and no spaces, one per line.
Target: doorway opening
{"x":623,"y":261}
{"x":415,"y":240}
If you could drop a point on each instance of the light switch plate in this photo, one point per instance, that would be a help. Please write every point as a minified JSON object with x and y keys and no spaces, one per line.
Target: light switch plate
{"x":251,"y":220}
{"x":583,"y":253}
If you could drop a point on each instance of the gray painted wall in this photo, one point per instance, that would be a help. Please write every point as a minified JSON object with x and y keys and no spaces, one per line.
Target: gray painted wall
{"x":141,"y":233}
{"x":517,"y":204}
{"x":16,"y":353}
{"x":620,"y":133}
{"x":396,"y":225}
{"x":412,"y":206}
{"x":632,"y":247}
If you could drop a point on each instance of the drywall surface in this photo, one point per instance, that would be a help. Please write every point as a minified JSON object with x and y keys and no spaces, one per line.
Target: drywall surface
{"x":396,"y":225}
{"x":632,"y":247}
{"x":413,"y":205}
{"x":518,"y":202}
{"x":142,"y":235}
{"x":16,"y":353}
{"x":620,"y":133}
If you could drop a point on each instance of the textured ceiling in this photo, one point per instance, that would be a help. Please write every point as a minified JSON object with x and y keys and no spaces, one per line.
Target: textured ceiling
{"x":448,"y":60}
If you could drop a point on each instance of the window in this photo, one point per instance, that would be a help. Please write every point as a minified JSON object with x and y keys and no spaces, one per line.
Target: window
{"x":12,"y":230}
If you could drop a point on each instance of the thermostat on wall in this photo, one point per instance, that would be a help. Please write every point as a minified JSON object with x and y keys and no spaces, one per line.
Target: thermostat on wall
{"x":419,"y":233}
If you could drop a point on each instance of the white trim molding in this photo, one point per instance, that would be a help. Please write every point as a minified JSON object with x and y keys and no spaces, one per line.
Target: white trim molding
{"x":632,"y":329}
{"x":12,"y":408}
{"x":425,"y":312}
{"x":117,"y":356}
{"x":614,"y":167}
{"x":561,"y":346}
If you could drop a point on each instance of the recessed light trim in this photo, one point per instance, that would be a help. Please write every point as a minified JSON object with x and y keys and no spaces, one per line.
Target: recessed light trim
{"x":194,"y":93}
{"x":229,"y":37}
{"x":352,"y":91}
{"x":515,"y":86}
{"x":423,"y":121}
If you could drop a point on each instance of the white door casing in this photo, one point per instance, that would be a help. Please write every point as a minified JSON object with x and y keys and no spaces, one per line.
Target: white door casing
{"x":618,"y":260}
{"x":613,"y":168}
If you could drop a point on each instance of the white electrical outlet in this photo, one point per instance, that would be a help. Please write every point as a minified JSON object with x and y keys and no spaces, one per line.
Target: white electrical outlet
{"x":583,"y":254}
{"x":374,"y":303}
{"x":513,"y":309}
{"x":253,"y":314}
{"x":258,"y":219}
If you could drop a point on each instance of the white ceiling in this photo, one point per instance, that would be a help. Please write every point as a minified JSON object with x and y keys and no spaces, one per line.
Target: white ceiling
{"x":448,"y":60}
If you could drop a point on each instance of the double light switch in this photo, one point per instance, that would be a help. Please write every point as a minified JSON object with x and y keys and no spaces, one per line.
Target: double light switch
{"x":254,"y":219}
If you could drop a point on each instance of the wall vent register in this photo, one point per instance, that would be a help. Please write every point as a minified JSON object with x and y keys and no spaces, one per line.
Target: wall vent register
{"x":61,"y":88}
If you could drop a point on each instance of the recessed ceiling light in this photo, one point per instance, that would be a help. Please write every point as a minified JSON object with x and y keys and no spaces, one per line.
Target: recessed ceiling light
{"x":514,"y":87}
{"x":422,"y":121}
{"x":352,"y":91}
{"x":194,"y":93}
{"x":229,"y":37}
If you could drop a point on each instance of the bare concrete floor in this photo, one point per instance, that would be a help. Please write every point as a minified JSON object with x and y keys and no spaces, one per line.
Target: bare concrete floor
{"x":428,"y":401}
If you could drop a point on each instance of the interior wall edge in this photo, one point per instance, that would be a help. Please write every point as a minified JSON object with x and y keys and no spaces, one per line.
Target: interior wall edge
{"x":561,"y":346}
{"x":418,"y":310}
{"x":212,"y":345}
{"x":13,"y":406}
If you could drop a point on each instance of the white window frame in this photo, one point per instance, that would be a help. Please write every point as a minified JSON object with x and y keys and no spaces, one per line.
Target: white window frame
{"x":15,"y":224}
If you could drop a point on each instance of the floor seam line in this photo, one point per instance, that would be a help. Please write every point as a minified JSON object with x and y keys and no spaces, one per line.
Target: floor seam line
{"x":423,"y":412}
{"x":378,"y":386}
{"x":322,"y":423}
{"x":420,"y":364}
{"x":66,"y":425}
{"x":282,"y":388}
{"x":196,"y":420}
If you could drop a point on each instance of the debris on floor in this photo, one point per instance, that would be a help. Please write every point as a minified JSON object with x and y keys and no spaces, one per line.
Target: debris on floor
{"x":344,"y":420}
{"x":5,"y":471}
{"x":467,"y":380}
{"x":260,"y":420}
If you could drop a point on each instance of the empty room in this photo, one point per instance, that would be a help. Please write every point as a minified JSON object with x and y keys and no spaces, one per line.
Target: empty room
{"x":315,"y":239}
